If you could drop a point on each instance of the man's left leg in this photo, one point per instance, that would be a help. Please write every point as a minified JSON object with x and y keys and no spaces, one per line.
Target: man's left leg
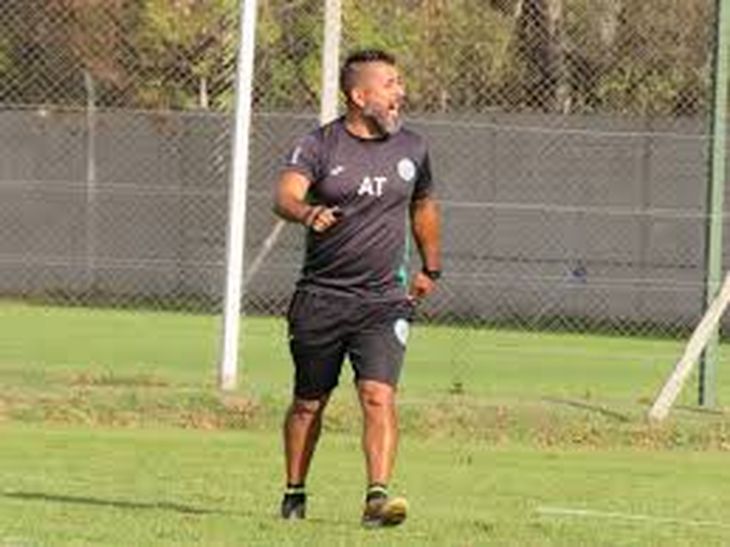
{"x":376,"y":351}
{"x":380,"y":429}
{"x":379,"y":443}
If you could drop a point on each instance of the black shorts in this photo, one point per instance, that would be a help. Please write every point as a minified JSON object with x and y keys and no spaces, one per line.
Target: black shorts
{"x":324,"y":329}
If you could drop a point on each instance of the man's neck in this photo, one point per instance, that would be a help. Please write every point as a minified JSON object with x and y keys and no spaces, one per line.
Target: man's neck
{"x":361,"y":127}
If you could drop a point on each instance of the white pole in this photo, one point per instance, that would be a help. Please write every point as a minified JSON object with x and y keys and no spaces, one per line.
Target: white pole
{"x":697,"y":342}
{"x":330,"y":60}
{"x":237,"y":198}
{"x":327,"y":112}
{"x":266,"y":248}
{"x":90,"y":180}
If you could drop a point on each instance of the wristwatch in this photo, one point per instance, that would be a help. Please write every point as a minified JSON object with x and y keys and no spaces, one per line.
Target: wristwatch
{"x":432,"y":274}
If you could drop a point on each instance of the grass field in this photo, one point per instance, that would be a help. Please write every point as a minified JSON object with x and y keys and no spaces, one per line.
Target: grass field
{"x":164,"y":487}
{"x":113,"y":434}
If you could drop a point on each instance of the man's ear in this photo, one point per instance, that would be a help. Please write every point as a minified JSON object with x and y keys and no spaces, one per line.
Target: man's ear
{"x":357,"y":97}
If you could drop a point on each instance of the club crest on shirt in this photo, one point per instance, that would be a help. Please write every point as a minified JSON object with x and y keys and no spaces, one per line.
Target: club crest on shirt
{"x":407,"y":169}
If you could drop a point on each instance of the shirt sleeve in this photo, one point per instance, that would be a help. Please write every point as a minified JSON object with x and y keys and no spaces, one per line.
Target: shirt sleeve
{"x":424,"y":186}
{"x":304,"y":158}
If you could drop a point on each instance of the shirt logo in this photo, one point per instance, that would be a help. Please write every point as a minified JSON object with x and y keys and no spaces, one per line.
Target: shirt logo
{"x":407,"y":169}
{"x":336,"y":170}
{"x":372,"y":186}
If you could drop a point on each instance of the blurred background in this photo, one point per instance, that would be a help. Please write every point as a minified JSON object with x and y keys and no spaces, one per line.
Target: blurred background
{"x":570,"y":140}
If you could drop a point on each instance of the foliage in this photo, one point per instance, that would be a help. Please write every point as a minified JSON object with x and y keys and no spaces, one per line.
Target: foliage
{"x":602,"y":56}
{"x":185,"y":46}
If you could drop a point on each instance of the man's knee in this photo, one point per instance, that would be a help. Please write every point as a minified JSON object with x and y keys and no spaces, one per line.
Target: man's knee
{"x":376,"y":396}
{"x":308,"y":408}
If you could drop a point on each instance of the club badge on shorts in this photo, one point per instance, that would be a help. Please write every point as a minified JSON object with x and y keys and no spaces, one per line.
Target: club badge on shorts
{"x":401,"y":328}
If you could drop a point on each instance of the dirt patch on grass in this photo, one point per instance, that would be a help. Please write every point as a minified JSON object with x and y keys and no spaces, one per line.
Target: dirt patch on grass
{"x":112,"y":379}
{"x":565,"y":425}
{"x":540,"y":423}
{"x":222,"y":412}
{"x":135,"y":408}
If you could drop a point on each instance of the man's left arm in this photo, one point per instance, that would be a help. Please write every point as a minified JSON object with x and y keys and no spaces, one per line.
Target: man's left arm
{"x":426,"y":226}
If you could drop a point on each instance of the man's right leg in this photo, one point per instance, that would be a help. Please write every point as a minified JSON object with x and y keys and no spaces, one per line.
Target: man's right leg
{"x":302,"y":427}
{"x":317,"y":349}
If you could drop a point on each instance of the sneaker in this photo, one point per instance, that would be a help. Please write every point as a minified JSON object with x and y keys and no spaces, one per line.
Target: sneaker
{"x":294,"y":506}
{"x":380,"y":512}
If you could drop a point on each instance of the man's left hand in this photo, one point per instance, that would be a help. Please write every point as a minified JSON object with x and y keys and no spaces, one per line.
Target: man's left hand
{"x":421,"y":286}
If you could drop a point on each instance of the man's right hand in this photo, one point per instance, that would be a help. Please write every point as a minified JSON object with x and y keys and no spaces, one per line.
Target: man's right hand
{"x":290,"y":204}
{"x":322,"y":218}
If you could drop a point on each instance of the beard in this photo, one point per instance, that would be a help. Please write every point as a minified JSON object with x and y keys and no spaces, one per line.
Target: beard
{"x":386,"y":122}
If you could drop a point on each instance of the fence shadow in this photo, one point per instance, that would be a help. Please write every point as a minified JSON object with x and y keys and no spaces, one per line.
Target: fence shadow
{"x":602,"y":410}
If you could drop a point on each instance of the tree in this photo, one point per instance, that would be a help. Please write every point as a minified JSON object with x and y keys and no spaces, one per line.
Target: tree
{"x":636,"y":57}
{"x":37,"y":65}
{"x":288,"y":54}
{"x":186,"y":50}
{"x":609,"y":56}
{"x":541,"y":51}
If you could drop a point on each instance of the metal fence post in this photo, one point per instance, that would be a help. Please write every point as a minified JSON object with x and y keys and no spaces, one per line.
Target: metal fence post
{"x":715,"y":195}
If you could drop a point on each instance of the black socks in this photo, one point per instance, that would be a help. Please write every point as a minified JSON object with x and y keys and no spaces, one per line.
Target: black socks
{"x":376,"y":491}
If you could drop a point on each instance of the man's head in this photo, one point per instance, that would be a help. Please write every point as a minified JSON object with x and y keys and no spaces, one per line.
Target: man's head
{"x":373,"y":87}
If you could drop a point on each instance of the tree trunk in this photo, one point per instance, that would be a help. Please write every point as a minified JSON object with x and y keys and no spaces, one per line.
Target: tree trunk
{"x":541,"y":48}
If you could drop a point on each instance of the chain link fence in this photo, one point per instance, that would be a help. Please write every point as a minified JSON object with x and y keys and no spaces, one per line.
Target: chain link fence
{"x":571,"y":149}
{"x":116,"y":147}
{"x":569,"y":140}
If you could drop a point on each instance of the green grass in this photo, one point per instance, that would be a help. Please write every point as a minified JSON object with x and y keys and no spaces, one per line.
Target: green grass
{"x":113,"y":434}
{"x":48,"y":342}
{"x":172,"y":487}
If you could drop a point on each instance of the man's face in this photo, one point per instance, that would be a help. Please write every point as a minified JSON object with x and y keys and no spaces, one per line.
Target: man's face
{"x":380,"y":94}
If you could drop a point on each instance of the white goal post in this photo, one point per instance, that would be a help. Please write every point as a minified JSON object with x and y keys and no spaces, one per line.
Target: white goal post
{"x":699,"y":339}
{"x":236,"y":281}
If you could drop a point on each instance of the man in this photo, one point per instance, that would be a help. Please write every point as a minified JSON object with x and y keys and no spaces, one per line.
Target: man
{"x":354,"y":183}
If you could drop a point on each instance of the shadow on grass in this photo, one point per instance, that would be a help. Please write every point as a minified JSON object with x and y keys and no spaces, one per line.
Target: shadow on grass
{"x":701,"y":410}
{"x":121,"y":504}
{"x":167,"y":506}
{"x":603,"y":411}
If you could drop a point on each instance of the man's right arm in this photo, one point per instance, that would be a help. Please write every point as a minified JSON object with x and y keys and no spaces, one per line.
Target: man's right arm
{"x":290,"y":203}
{"x":289,"y":197}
